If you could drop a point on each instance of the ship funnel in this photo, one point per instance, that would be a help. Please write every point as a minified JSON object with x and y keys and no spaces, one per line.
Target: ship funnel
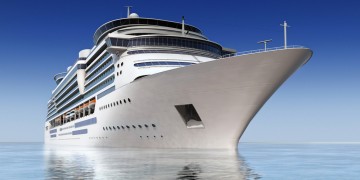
{"x":81,"y":66}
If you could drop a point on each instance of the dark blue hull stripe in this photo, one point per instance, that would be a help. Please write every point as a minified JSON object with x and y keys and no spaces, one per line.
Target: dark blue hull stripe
{"x":86,"y":122}
{"x":78,"y":132}
{"x":106,"y":92}
{"x":53,"y":131}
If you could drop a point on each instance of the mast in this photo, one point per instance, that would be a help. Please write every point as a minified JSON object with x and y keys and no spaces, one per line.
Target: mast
{"x":128,"y":10}
{"x":183,"y":26}
{"x":285,"y":33}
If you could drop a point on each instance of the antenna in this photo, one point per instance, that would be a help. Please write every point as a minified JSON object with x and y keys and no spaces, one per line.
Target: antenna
{"x":183,"y":26}
{"x":285,"y":34}
{"x":128,"y":10}
{"x":264,"y":42}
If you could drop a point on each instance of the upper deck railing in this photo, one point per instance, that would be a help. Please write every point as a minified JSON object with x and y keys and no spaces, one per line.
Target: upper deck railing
{"x":261,"y":50}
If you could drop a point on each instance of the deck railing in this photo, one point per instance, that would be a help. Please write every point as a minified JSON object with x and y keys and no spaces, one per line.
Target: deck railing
{"x":261,"y":50}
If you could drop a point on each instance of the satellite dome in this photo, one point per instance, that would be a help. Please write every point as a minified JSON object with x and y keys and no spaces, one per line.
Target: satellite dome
{"x":133,"y":15}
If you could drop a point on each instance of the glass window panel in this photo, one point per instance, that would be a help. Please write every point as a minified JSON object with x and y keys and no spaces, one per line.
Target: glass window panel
{"x":183,"y":43}
{"x":152,"y":41}
{"x":156,"y":41}
{"x":155,"y":63}
{"x":161,"y":23}
{"x":152,"y":22}
{"x":133,"y":21}
{"x":121,"y":42}
{"x":124,"y":21}
{"x":142,"y":21}
{"x":160,"y":41}
{"x":173,"y":63}
{"x":143,"y":41}
{"x":116,"y":23}
{"x":126,"y":42}
{"x":109,"y":26}
{"x":103,"y":29}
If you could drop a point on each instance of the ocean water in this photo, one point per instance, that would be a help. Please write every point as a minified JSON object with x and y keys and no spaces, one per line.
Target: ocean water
{"x":250,"y":161}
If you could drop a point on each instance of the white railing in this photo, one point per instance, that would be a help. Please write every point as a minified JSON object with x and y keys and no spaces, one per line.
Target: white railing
{"x":261,"y":50}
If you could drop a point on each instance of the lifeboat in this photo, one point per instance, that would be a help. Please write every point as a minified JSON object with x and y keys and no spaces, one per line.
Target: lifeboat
{"x":92,"y":103}
{"x":72,"y":114}
{"x":81,"y":107}
{"x":86,"y":105}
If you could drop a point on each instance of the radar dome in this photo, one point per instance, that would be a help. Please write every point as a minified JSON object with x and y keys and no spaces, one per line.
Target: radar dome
{"x":133,"y":15}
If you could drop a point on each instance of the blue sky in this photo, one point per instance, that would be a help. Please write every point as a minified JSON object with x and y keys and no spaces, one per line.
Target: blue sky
{"x":320,"y":102}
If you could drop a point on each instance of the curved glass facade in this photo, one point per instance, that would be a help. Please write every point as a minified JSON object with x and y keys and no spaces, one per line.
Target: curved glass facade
{"x":99,"y":34}
{"x":167,"y":42}
{"x":163,"y":63}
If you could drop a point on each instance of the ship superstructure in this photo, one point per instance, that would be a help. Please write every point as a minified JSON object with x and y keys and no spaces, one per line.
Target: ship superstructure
{"x":162,"y":84}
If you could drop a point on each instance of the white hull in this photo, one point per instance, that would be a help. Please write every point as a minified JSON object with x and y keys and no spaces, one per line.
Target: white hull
{"x":226,"y":93}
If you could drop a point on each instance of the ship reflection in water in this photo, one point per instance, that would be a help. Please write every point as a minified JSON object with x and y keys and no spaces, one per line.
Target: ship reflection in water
{"x":114,"y":163}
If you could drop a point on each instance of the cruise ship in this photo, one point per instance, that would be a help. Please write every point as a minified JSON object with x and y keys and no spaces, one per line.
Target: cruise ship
{"x":151,"y":83}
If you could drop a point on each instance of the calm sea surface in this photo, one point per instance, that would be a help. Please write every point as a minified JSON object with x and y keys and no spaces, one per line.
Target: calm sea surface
{"x":251,"y":161}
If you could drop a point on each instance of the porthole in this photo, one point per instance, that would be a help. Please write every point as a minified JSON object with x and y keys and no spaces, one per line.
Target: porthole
{"x":122,"y":127}
{"x":122,"y":63}
{"x":162,"y":136}
{"x":129,"y":100}
{"x":134,"y":126}
{"x":118,"y":127}
{"x":147,"y":136}
{"x":110,"y":128}
{"x":117,"y":73}
{"x":106,"y":128}
{"x":153,"y":125}
{"x":114,"y":128}
{"x":146,"y":125}
{"x":118,"y":66}
{"x":124,"y":101}
{"x":140,"y":136}
{"x":128,"y":127}
{"x":120,"y":102}
{"x":117,"y":102}
{"x":120,"y":72}
{"x":154,"y":136}
{"x":140,"y":126}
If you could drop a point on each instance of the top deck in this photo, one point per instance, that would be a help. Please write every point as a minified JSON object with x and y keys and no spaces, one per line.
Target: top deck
{"x":111,"y":26}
